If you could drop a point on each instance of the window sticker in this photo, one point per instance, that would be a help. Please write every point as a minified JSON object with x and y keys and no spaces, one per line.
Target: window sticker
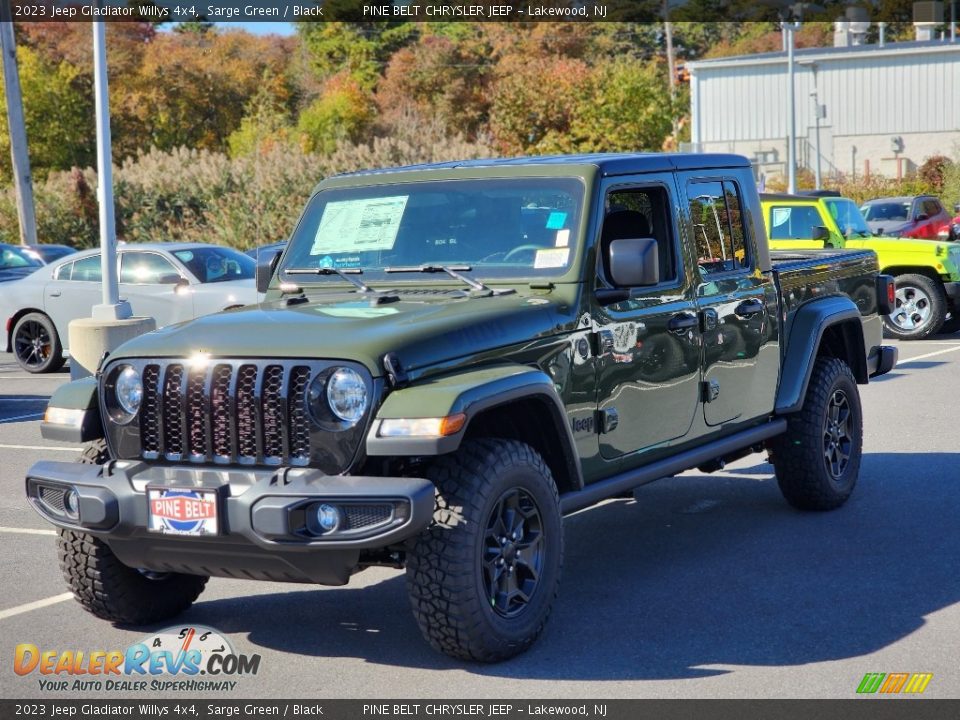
{"x":352,"y":226}
{"x":779,"y":216}
{"x":551,"y":258}
{"x":563,"y":238}
{"x":555,"y":220}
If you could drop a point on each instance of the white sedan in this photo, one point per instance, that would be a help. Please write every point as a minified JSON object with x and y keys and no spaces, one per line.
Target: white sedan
{"x":169,"y":282}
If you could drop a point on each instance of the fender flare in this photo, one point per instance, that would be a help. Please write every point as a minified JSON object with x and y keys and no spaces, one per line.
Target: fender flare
{"x":472,"y":393}
{"x":810,"y":323}
{"x":81,"y":422}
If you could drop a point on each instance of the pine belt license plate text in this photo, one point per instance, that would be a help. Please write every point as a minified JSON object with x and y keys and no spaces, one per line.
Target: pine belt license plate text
{"x":182,"y":511}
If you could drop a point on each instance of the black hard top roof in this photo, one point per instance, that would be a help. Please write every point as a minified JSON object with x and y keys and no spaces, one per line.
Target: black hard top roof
{"x":608,"y":163}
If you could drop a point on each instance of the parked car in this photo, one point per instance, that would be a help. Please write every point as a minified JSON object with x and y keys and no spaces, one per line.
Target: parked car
{"x":926,"y":272}
{"x":16,"y":262}
{"x":951,"y":231}
{"x":265,"y":250}
{"x":919,"y":216}
{"x":49,"y":252}
{"x":169,"y":282}
{"x":479,"y":382}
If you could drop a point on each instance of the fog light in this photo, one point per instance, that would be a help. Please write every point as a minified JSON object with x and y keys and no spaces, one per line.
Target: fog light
{"x":328,"y":517}
{"x":71,"y":503}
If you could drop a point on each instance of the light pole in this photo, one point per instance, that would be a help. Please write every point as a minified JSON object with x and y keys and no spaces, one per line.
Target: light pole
{"x":789,"y":28}
{"x":818,"y":115}
{"x":112,"y":308}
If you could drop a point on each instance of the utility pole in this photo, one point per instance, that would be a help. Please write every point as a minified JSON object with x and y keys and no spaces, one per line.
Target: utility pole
{"x":19,"y":158}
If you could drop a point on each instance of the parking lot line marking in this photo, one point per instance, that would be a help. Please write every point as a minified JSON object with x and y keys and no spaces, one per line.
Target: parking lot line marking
{"x":20,"y":417}
{"x":27,"y":531}
{"x":39,"y":447}
{"x":36,"y":605}
{"x":929,"y":354}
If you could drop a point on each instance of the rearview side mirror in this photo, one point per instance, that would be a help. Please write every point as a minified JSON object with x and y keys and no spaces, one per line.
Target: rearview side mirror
{"x":169,"y":279}
{"x":820,"y":233}
{"x":634,"y":262}
{"x":922,"y":216}
{"x":265,"y":269}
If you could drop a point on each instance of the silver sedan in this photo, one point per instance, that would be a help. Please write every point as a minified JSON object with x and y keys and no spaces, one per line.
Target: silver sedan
{"x":169,"y":282}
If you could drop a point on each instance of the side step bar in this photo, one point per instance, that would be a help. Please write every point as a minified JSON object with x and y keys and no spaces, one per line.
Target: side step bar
{"x":595,"y":492}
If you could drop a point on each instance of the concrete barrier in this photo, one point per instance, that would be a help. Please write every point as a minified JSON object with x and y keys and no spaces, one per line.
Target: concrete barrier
{"x":91,"y":337}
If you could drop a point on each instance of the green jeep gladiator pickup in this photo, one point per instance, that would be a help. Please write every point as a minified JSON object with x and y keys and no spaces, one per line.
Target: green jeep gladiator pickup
{"x":449,"y":359}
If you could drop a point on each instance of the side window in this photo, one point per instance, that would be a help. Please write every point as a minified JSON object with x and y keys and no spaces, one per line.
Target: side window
{"x":146,"y":268}
{"x":717,"y":218}
{"x":793,"y":223}
{"x":87,"y":269}
{"x":63,"y":272}
{"x":930,"y":208}
{"x":641,"y":213}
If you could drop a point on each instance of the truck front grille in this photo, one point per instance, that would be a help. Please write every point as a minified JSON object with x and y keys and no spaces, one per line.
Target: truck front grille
{"x":226,"y":412}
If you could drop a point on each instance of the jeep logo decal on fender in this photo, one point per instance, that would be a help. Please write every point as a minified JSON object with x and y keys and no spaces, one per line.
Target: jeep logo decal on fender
{"x":580,"y":425}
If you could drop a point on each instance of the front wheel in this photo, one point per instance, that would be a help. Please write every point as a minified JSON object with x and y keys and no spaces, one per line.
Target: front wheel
{"x":817,"y":460}
{"x":919,"y":309}
{"x":483,"y":577}
{"x":111,"y":590}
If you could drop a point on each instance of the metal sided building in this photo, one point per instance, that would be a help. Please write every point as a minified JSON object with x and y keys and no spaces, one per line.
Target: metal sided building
{"x":882,"y":109}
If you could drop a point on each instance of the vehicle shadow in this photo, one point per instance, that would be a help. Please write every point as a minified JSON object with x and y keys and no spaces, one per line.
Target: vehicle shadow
{"x":698,"y":571}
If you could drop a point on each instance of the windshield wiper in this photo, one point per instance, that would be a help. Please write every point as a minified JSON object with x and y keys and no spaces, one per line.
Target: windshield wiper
{"x":344,"y":274}
{"x":451,"y":270}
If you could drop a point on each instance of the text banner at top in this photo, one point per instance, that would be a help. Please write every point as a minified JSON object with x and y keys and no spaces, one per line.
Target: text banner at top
{"x":175,"y":11}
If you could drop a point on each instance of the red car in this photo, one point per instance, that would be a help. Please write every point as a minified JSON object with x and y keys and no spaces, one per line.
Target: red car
{"x":951,"y":231}
{"x":920,"y":216}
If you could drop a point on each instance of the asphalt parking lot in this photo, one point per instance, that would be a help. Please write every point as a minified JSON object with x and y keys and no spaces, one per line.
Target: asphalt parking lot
{"x":703,"y":586}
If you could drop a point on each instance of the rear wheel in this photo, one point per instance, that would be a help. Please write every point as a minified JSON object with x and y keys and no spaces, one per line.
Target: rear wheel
{"x":36,"y":344}
{"x":111,"y":590}
{"x":483,"y":577}
{"x":817,"y":460}
{"x":919,"y":309}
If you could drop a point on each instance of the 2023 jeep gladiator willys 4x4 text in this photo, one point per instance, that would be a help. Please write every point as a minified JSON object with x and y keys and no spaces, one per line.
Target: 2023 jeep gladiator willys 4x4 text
{"x":449,"y":359}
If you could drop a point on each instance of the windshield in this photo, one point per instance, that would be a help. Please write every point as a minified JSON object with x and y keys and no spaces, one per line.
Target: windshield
{"x":847,"y":216}
{"x":217,"y":264}
{"x":886,"y":211}
{"x":499,"y":228}
{"x":14,"y":257}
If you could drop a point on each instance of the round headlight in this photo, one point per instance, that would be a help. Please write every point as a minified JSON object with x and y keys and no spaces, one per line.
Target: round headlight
{"x":347,"y":395}
{"x":129,"y":390}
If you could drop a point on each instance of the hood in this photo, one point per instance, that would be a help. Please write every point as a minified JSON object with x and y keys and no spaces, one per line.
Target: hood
{"x":421,"y":331}
{"x":888,"y":227}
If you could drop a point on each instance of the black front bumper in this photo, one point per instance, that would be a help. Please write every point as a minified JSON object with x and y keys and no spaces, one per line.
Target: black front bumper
{"x":882,"y":360}
{"x":263,"y":533}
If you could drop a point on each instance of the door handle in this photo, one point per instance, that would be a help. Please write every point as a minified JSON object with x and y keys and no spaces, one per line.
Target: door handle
{"x":54,"y":293}
{"x":681,"y":322}
{"x":749,"y":308}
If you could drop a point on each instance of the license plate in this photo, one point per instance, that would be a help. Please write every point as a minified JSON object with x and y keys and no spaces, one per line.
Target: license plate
{"x":182,"y":511}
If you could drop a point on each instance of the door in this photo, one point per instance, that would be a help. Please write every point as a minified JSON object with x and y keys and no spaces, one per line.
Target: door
{"x":648,"y":344}
{"x":73,"y":292}
{"x":735,"y":300}
{"x":148,"y":281}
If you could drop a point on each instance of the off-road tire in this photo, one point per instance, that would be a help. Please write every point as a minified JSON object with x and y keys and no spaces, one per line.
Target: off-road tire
{"x":807,"y":478}
{"x":36,"y":344}
{"x":111,"y":590}
{"x":446,"y":580}
{"x":934,"y":305}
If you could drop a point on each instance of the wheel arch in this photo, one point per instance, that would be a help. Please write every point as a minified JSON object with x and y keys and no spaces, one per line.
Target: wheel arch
{"x":898,"y":270}
{"x":830,"y":327}
{"x":15,"y":318}
{"x":509,"y":401}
